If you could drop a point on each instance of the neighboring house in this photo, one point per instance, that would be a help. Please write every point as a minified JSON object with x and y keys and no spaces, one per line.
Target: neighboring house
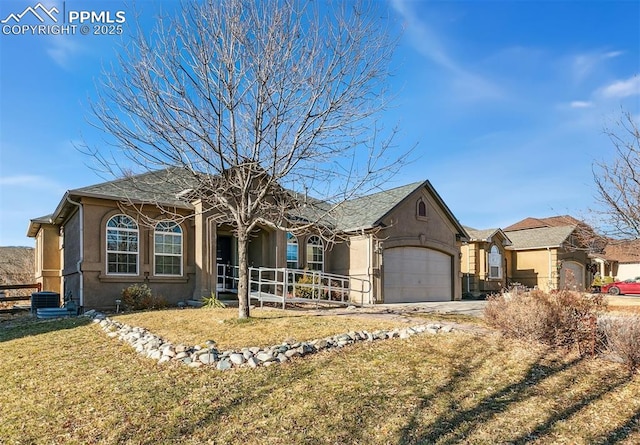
{"x":621,"y":259}
{"x":103,"y":238}
{"x":551,"y":253}
{"x":483,"y":262}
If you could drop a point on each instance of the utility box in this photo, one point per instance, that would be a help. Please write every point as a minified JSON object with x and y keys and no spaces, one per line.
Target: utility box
{"x":44,"y":300}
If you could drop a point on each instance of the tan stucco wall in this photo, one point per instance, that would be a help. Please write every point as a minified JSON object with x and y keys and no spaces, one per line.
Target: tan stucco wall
{"x":359,"y":256}
{"x":102,"y":289}
{"x":47,"y":257}
{"x":474,"y":265}
{"x":534,"y":268}
{"x":363,"y":266}
{"x":542,"y":267}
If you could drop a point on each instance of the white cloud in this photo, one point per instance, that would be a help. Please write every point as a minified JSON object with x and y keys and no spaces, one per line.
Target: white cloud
{"x":467,"y":84}
{"x":581,"y":104}
{"x":32,"y":182}
{"x":586,"y":64}
{"x":62,"y":49}
{"x":622,"y":88}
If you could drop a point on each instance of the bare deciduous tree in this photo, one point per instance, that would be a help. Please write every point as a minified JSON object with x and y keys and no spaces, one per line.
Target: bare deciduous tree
{"x":260,"y":103}
{"x":618,"y":182}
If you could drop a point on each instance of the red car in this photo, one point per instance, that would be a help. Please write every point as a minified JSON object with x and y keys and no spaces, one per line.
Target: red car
{"x":623,"y":287}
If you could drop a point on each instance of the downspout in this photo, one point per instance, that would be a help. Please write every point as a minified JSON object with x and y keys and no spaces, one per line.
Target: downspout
{"x":549,"y":280}
{"x":369,"y":267}
{"x":468,"y":268}
{"x":369,"y":238}
{"x":81,"y":258}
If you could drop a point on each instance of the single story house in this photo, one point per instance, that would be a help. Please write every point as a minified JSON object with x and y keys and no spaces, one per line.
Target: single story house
{"x":551,"y":253}
{"x":102,"y":238}
{"x":558,"y":252}
{"x":621,"y":259}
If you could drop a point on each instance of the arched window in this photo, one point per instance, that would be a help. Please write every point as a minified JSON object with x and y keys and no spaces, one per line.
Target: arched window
{"x":421,"y":209}
{"x":315,"y":253}
{"x":495,"y":263}
{"x":167,"y":248}
{"x":292,"y":251}
{"x":122,"y":245}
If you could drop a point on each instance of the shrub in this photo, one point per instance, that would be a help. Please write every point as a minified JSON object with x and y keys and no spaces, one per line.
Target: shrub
{"x":212,"y":302}
{"x":622,"y":338}
{"x":307,"y":286}
{"x":524,"y":316}
{"x":563,"y":318}
{"x":139,"y":296}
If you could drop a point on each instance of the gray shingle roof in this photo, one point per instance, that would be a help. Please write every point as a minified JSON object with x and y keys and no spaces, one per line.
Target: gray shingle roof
{"x":365,"y":212}
{"x":540,"y":237}
{"x":162,"y":186}
{"x":480,"y":235}
{"x":167,"y":187}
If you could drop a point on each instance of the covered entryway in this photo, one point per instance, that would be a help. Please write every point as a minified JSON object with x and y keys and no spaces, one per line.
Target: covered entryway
{"x":414,"y":274}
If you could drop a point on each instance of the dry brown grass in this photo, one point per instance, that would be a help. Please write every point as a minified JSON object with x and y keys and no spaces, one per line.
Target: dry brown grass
{"x":66,"y":382}
{"x":265,"y":327}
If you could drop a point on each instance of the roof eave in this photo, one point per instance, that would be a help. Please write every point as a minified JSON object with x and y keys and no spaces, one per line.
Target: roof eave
{"x":60,"y":214}
{"x":534,"y":247}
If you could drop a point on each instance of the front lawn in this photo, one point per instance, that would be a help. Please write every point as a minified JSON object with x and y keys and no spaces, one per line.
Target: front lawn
{"x":67,"y":382}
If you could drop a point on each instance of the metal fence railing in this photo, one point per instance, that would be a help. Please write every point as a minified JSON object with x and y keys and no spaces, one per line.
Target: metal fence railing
{"x":284,"y":285}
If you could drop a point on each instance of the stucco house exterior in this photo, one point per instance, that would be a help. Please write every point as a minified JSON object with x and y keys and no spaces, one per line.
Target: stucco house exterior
{"x":551,"y":253}
{"x":105,"y":237}
{"x":484,"y":262}
{"x":621,"y":259}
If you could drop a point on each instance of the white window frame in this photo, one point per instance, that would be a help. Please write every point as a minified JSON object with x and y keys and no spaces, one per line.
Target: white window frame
{"x":495,"y":263}
{"x":131,"y":228}
{"x":170,"y":234}
{"x":292,"y":240}
{"x":315,"y":244}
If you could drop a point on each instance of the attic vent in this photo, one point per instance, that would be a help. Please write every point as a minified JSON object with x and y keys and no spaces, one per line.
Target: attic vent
{"x":183,"y":193}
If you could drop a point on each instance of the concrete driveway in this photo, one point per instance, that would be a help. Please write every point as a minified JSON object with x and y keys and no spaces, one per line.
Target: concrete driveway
{"x":464,"y":307}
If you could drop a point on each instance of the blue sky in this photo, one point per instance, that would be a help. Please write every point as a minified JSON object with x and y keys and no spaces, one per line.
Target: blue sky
{"x":506,"y":101}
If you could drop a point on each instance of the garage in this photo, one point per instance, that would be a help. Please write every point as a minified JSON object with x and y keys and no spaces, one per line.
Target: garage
{"x":572,"y":276}
{"x":415,"y":274}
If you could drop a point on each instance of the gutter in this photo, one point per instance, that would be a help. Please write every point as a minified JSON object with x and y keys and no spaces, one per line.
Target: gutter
{"x":81,"y":258}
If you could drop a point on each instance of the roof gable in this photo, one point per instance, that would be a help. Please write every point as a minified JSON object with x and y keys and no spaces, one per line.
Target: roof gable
{"x":485,"y":235}
{"x":367,"y":211}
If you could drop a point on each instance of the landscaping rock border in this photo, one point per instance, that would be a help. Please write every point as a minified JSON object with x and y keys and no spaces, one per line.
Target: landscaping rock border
{"x":156,"y":348}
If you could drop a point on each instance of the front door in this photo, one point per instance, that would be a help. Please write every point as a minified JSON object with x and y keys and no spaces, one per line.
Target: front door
{"x":223,"y":251}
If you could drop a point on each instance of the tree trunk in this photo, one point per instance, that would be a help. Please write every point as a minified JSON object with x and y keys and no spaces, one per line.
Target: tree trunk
{"x":243,"y":274}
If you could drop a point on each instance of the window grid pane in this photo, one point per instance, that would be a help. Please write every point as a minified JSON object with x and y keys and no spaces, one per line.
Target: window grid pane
{"x":122,"y":245}
{"x":315,"y":254}
{"x":292,"y":251}
{"x":168,"y":248}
